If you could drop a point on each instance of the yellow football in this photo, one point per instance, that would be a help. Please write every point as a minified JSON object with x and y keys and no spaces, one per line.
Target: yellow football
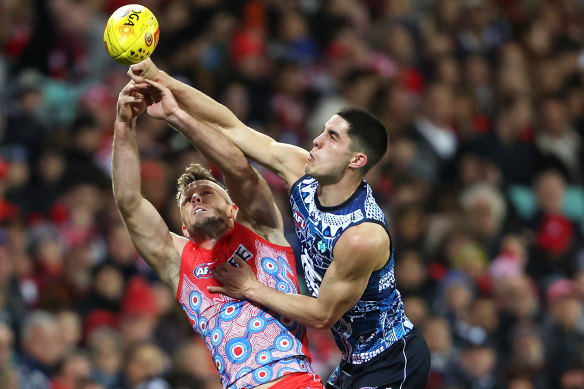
{"x":131,"y":34}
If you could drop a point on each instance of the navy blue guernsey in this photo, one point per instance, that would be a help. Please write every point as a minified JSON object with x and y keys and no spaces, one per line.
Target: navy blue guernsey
{"x":377,"y":320}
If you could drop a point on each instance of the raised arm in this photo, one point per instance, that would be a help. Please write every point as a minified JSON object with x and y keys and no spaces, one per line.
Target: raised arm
{"x":156,"y":244}
{"x":246,"y":187}
{"x":357,"y":254}
{"x":287,"y":161}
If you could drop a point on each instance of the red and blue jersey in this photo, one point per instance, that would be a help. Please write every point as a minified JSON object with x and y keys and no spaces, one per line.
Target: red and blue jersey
{"x":249,"y":344}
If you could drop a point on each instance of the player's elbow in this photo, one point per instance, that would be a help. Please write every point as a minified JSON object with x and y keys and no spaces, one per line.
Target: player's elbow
{"x":323,"y":325}
{"x":325,"y":320}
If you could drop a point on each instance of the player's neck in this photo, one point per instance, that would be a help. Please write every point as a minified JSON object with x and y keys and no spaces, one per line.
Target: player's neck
{"x":209,"y":240}
{"x":205,"y":242}
{"x":333,"y":194}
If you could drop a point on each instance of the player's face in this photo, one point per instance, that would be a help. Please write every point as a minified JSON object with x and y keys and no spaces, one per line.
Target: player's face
{"x":331,"y":153}
{"x":205,"y":208}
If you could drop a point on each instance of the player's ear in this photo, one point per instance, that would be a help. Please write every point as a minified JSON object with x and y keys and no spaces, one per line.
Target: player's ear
{"x":358,"y":160}
{"x":233,"y":211}
{"x":185,"y":231}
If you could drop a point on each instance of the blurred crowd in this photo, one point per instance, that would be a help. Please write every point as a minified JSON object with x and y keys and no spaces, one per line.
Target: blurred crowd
{"x":482,"y":184}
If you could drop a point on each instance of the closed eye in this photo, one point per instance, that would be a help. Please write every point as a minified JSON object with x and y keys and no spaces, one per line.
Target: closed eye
{"x":333,"y":135}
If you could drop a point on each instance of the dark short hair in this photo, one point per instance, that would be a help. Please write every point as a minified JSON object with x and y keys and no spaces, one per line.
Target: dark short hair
{"x":367,"y":133}
{"x":194,"y":172}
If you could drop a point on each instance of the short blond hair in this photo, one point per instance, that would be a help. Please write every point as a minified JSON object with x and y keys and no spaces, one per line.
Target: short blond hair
{"x":194,"y":172}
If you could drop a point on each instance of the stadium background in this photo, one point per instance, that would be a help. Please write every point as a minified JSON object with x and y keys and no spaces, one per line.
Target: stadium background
{"x":482,"y":184}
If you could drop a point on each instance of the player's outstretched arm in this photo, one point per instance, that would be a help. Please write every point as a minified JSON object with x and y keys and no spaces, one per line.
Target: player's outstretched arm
{"x":359,"y":252}
{"x":246,"y":187}
{"x":150,"y":235}
{"x":287,"y":161}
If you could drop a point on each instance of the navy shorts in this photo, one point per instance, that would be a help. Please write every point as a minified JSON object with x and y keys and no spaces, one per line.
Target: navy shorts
{"x":405,"y":365}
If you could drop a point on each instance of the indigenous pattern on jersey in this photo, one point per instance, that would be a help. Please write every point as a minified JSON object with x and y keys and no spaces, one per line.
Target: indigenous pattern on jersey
{"x":377,"y":320}
{"x":249,"y":345}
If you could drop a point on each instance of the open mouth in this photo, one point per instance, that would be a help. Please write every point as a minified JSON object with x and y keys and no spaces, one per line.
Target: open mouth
{"x":199,"y":210}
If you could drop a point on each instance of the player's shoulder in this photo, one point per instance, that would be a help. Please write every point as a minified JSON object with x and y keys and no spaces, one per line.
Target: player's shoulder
{"x":363,"y":247}
{"x":179,"y":242}
{"x":364,"y":236}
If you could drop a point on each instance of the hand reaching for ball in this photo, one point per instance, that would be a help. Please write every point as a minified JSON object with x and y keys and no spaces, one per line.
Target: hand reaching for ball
{"x":145,"y":70}
{"x":160,"y":101}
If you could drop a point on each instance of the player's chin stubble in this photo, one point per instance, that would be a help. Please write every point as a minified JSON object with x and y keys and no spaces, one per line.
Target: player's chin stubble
{"x":213,"y":226}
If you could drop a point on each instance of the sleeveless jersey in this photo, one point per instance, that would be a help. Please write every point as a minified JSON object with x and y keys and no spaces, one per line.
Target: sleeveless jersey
{"x":377,"y":320}
{"x":249,"y":345}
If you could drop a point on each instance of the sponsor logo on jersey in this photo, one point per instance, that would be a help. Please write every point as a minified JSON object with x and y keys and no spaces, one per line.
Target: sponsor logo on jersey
{"x":242,"y":253}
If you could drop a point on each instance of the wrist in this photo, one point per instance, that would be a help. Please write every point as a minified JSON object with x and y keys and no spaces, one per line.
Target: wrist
{"x":177,"y":118}
{"x":123,"y":123}
{"x":253,"y":291}
{"x":163,"y":78}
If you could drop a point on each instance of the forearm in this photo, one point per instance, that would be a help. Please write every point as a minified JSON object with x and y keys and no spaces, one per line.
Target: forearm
{"x":217,"y":148}
{"x":125,"y":166}
{"x":199,"y":105}
{"x":297,"y":307}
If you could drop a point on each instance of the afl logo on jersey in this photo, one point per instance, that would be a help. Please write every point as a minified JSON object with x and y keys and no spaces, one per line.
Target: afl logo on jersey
{"x":202,"y":271}
{"x":299,"y":219}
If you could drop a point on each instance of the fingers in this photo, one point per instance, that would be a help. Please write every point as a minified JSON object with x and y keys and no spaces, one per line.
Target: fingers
{"x":240,"y":261}
{"x":219,"y":271}
{"x":139,"y":71}
{"x":129,"y":99}
{"x":142,"y":86}
{"x":224,"y":291}
{"x":149,"y":93}
{"x":156,"y":85}
{"x":215,"y":289}
{"x":127,"y":88}
{"x":149,"y":87}
{"x":135,"y":73}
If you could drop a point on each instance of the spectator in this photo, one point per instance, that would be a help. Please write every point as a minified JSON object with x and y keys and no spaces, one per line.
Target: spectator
{"x":510,"y":140}
{"x":69,"y":323}
{"x":139,"y":313}
{"x":146,"y":365}
{"x":72,"y":370}
{"x":528,"y":357}
{"x":564,"y":337}
{"x":433,"y":136}
{"x":474,"y":368}
{"x":485,"y":215}
{"x":556,"y":237}
{"x":558,"y":141}
{"x":105,"y":348}
{"x":437,"y":332}
{"x":42,"y":349}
